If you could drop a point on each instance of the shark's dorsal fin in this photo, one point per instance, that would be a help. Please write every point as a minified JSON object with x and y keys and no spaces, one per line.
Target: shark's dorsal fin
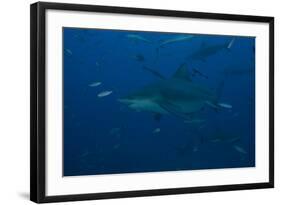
{"x":182,"y":73}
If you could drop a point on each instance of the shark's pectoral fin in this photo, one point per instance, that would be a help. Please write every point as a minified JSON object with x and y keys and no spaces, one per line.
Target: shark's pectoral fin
{"x":173,"y":109}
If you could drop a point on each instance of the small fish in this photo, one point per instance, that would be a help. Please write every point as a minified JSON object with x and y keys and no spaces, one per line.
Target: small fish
{"x":231,"y":43}
{"x":225,"y":105}
{"x":239,"y":149}
{"x":202,"y":126}
{"x":68,"y":51}
{"x":154,"y":72}
{"x":138,"y":57}
{"x":157,"y":130}
{"x":195,"y":149}
{"x":194,"y":121}
{"x":104,"y":93}
{"x":80,"y":38}
{"x":114,"y":131}
{"x":216,"y":140}
{"x":85,"y":154}
{"x":116,"y":146}
{"x":94,"y":84}
{"x":234,"y":139}
{"x":221,"y":136}
{"x":236,"y":114}
{"x":138,"y":37}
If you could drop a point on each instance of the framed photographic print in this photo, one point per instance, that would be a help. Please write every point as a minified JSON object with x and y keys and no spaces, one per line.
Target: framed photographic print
{"x":129,"y":102}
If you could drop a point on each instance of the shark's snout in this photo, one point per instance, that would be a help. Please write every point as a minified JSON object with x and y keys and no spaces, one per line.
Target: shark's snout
{"x":131,"y":103}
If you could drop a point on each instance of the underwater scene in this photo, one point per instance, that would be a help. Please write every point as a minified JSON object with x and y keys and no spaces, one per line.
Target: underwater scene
{"x":142,"y":101}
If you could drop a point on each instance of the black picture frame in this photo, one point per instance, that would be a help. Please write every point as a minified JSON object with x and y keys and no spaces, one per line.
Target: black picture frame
{"x":38,"y":101}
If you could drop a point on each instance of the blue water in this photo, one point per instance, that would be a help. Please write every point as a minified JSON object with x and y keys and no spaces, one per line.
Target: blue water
{"x":104,"y":136}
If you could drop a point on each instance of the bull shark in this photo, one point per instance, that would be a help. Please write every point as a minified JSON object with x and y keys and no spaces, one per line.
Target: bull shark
{"x":177,"y":95}
{"x":206,"y":51}
{"x":176,"y":39}
{"x":137,"y":37}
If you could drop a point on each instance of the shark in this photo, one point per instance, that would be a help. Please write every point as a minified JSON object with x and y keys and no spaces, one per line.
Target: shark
{"x":176,"y":39}
{"x":206,"y":51}
{"x":137,"y":37}
{"x":177,"y":95}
